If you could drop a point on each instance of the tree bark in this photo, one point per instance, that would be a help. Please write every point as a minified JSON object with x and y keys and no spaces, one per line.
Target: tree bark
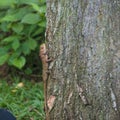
{"x":83,"y":40}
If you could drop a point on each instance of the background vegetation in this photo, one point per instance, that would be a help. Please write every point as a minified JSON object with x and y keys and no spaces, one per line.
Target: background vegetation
{"x":23,"y":98}
{"x":22,"y":27}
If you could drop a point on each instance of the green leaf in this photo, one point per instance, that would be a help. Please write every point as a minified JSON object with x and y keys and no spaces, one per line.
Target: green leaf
{"x":3,"y":50}
{"x":40,"y":9}
{"x":38,"y":31}
{"x":25,"y":48}
{"x":10,"y":39}
{"x":17,"y":27}
{"x":16,"y":44}
{"x":31,"y":18}
{"x":43,"y":9}
{"x":35,"y":7}
{"x":3,"y":58}
{"x":32,"y":44}
{"x":14,"y":15}
{"x":13,"y":56}
{"x":28,"y":71}
{"x":19,"y":62}
{"x":32,"y":28}
{"x":21,"y":12}
{"x":42,"y":24}
{"x":28,"y":1}
{"x":42,"y":1}
{"x":4,"y":27}
{"x":7,"y":2}
{"x":9,"y":18}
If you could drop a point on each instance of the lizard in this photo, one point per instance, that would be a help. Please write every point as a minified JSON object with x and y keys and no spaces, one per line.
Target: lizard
{"x":45,"y":63}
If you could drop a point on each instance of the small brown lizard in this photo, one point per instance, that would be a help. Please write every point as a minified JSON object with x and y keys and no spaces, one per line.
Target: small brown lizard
{"x":45,"y":62}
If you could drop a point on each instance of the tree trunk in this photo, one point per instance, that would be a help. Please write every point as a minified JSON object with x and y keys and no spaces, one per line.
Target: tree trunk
{"x":83,"y":40}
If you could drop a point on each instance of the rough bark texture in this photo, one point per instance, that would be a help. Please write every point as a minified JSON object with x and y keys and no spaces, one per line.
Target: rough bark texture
{"x":83,"y":39}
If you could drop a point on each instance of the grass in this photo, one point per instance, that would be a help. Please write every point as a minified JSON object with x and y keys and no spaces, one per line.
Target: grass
{"x":23,"y":98}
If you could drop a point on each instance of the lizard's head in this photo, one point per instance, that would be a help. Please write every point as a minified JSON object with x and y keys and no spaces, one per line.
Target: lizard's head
{"x":43,"y":51}
{"x":43,"y":48}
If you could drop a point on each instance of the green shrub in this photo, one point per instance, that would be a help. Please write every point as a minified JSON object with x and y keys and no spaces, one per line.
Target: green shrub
{"x":22,"y":27}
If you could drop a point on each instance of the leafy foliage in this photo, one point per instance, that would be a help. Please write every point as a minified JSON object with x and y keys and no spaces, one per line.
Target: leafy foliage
{"x":18,"y":97}
{"x":22,"y":27}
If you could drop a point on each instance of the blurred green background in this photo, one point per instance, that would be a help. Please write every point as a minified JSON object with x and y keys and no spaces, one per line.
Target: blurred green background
{"x":22,"y":29}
